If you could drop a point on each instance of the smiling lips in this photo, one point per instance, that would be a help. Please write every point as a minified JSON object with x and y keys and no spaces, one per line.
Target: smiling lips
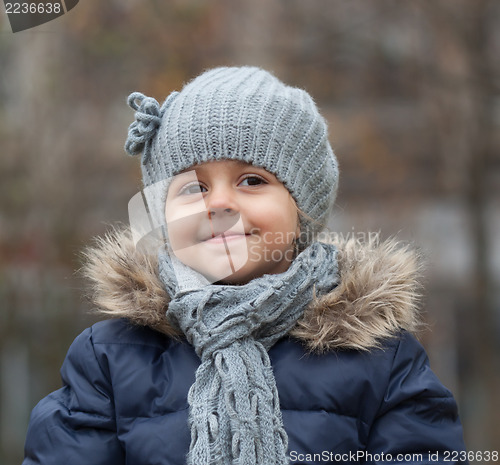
{"x":225,"y":237}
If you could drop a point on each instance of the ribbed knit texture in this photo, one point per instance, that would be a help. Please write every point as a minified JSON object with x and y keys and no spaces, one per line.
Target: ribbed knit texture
{"x":235,"y":415}
{"x":239,"y":113}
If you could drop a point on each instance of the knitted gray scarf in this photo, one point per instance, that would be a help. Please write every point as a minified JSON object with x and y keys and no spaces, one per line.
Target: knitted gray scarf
{"x":235,"y":415}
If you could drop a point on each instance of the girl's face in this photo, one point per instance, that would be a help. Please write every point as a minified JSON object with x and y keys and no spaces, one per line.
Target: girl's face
{"x":231,"y":221}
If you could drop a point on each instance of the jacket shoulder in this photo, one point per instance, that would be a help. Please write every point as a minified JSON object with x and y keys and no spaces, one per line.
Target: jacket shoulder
{"x":122,"y":331}
{"x":377,"y":295}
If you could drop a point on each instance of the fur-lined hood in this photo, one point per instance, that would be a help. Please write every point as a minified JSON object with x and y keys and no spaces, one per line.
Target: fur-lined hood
{"x":377,"y":295}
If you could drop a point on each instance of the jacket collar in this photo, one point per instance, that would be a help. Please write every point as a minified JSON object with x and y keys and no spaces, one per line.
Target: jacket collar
{"x":376,"y":298}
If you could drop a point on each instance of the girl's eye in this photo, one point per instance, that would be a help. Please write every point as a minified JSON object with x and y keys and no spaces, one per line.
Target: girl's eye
{"x":253,"y":180}
{"x":193,"y":188}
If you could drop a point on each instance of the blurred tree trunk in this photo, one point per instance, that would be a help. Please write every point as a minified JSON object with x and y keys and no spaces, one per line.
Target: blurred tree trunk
{"x":462,"y":84}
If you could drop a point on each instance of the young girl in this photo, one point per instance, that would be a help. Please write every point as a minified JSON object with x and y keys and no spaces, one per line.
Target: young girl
{"x":242,"y":338}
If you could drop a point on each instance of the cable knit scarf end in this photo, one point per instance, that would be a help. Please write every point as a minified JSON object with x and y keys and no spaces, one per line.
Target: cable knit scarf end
{"x":235,"y":415}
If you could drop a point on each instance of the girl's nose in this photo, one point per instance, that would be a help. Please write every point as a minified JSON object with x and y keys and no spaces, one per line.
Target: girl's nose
{"x":221,"y":201}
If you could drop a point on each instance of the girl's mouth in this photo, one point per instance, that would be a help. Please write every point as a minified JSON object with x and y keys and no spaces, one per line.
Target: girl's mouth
{"x":223,"y":238}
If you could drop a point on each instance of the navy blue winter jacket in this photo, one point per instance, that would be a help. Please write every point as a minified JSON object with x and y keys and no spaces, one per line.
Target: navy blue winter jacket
{"x":354,"y":385}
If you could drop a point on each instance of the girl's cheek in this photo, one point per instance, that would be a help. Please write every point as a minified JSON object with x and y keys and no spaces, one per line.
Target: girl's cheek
{"x":182,"y":232}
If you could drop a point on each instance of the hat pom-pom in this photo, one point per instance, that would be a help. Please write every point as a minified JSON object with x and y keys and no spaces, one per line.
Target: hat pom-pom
{"x":148,"y":116}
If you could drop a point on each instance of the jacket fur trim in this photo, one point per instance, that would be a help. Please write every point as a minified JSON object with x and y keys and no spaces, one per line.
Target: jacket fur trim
{"x":376,"y":298}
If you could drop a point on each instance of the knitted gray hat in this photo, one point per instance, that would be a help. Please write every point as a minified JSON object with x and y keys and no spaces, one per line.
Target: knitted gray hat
{"x":239,"y":113}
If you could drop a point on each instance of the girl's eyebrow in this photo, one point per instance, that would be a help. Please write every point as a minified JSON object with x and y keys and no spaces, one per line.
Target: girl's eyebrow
{"x":180,"y":180}
{"x":250,"y":167}
{"x":246,"y":167}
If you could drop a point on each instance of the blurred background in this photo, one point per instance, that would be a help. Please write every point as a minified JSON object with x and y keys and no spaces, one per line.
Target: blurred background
{"x":411,"y":91}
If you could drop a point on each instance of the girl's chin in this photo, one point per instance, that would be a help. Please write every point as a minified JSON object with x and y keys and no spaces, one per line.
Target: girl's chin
{"x":233,"y":262}
{"x":216,"y":264}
